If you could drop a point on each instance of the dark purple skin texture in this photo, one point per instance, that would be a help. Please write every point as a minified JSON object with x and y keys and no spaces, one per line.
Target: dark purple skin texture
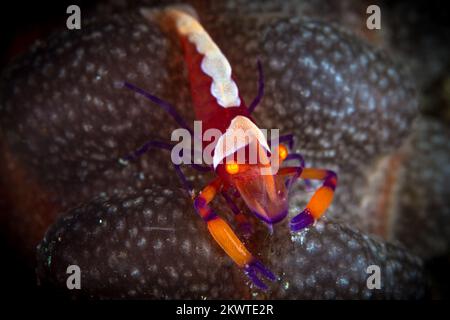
{"x":126,"y":248}
{"x":66,"y":120}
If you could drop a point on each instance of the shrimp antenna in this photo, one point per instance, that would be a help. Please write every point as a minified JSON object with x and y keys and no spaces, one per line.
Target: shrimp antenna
{"x":170,"y":109}
{"x":260,"y":88}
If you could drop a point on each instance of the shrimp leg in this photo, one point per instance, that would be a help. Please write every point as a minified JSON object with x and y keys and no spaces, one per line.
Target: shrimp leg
{"x":226,"y":238}
{"x":244,"y":225}
{"x":289,"y":139}
{"x":321,"y":199}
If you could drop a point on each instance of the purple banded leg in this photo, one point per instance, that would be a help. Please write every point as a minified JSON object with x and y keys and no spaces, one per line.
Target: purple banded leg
{"x":170,"y":109}
{"x":319,"y":202}
{"x":254,"y":268}
{"x":301,"y":221}
{"x":227,"y":239}
{"x":244,"y":225}
{"x":260,"y":94}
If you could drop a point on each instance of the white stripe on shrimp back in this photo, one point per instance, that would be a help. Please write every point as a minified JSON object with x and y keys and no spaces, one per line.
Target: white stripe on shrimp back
{"x":214,"y":63}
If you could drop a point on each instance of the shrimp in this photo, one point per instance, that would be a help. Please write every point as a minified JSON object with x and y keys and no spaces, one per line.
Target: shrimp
{"x":219,"y":105}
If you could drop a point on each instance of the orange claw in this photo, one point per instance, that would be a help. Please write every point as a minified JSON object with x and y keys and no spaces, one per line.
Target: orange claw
{"x":230,"y":243}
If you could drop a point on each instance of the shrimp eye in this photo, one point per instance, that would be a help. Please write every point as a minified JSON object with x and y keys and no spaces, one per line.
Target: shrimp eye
{"x":282,"y":152}
{"x":232,"y":168}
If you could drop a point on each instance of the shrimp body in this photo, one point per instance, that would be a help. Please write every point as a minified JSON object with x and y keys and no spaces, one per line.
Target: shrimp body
{"x":215,"y":94}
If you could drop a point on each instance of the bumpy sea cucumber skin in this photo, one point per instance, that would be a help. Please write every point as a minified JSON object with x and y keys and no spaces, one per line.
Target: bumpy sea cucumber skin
{"x":66,"y":120}
{"x":330,"y":261}
{"x":126,"y":246}
{"x":424,"y":188}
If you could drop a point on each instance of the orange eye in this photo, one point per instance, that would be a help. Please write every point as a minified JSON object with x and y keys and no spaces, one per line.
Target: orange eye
{"x":232,"y":168}
{"x":282,"y":152}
